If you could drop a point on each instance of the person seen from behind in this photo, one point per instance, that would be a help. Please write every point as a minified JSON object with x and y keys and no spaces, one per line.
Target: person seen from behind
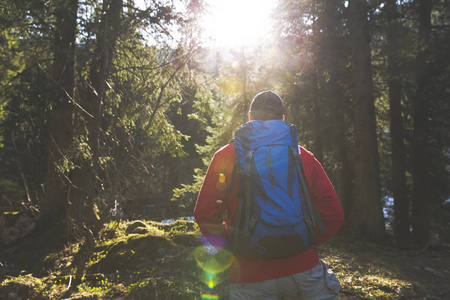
{"x":268,"y":264}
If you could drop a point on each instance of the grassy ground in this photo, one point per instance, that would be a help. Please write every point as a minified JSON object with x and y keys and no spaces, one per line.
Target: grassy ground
{"x":147,"y":260}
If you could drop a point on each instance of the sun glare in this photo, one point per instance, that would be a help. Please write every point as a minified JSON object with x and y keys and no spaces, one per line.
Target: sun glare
{"x":237,"y":23}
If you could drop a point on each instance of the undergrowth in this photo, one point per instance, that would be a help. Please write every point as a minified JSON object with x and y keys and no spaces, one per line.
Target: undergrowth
{"x":150,"y":260}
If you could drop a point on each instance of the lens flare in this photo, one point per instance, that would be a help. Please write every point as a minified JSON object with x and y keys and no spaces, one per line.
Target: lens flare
{"x":210,"y":280}
{"x":221,"y":184}
{"x":212,"y":261}
{"x":209,"y":297}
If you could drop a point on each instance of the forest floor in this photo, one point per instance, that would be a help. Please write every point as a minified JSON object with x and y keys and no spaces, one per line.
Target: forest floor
{"x":148,"y":260}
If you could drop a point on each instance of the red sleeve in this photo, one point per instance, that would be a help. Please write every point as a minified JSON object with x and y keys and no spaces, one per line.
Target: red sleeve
{"x":212,"y":200}
{"x":323,"y":196}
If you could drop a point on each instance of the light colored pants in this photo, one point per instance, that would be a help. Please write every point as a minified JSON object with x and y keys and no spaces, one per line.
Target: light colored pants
{"x":318,"y":283}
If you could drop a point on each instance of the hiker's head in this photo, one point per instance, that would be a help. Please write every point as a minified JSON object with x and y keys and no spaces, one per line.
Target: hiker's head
{"x":266,"y":106}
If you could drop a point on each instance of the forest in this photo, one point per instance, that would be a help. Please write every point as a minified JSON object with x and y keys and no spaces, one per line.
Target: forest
{"x":111,"y":111}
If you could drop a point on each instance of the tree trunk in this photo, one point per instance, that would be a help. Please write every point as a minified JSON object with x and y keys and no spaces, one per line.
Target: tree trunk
{"x":344,"y":172}
{"x":53,"y":214}
{"x":366,"y":220}
{"x":420,"y":156}
{"x":400,"y":191}
{"x":333,"y":62}
{"x":317,"y":124}
{"x":87,"y":175}
{"x":317,"y":102}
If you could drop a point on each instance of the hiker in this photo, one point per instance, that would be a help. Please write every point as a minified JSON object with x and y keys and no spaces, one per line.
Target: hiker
{"x":262,"y":164}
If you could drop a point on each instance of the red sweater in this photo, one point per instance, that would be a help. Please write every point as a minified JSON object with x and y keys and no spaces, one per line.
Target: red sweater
{"x":214,"y":200}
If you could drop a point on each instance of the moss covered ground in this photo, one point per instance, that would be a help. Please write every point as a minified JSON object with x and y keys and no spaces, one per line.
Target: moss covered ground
{"x":149,"y":260}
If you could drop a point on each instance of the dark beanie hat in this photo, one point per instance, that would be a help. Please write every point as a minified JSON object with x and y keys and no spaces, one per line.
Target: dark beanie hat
{"x":266,"y":106}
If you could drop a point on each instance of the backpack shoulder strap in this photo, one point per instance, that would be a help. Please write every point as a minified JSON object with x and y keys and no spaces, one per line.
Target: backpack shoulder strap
{"x":248,"y":190}
{"x":315,"y":217}
{"x":236,"y":168}
{"x":243,"y":214}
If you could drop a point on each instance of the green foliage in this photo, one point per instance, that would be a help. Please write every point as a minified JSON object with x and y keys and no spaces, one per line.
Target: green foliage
{"x":24,"y":82}
{"x":24,"y":130}
{"x":189,"y":190}
{"x":179,"y":227}
{"x":152,"y":84}
{"x":25,"y":286}
{"x":145,"y":148}
{"x":11,"y":192}
{"x":11,"y":58}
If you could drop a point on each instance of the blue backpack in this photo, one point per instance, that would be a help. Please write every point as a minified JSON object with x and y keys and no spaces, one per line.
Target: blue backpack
{"x":276,"y":218}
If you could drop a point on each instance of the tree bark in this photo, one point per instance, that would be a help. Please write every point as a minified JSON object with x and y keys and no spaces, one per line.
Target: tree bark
{"x":86,"y":177}
{"x":401,"y":223}
{"x":317,"y":124}
{"x":333,"y":62}
{"x":420,"y":157}
{"x":53,"y":213}
{"x":366,"y":221}
{"x":344,"y":172}
{"x":317,"y":103}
